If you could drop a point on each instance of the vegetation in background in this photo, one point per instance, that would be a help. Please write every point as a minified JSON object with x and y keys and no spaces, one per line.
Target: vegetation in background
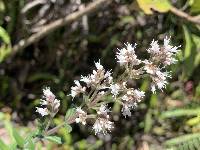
{"x":169,"y":120}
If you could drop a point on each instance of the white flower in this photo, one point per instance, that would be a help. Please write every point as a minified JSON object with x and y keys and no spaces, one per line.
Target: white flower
{"x":43,"y":102}
{"x":108,"y":76}
{"x":126,"y":110}
{"x":101,"y":93}
{"x":75,"y":90}
{"x":153,"y":88}
{"x":102,"y":125}
{"x":138,"y":95}
{"x":169,"y":51}
{"x":49,"y":101}
{"x":103,"y":110}
{"x":56,"y":104}
{"x":125,"y":97}
{"x":115,"y":89}
{"x":163,"y":55}
{"x":130,"y":100}
{"x":48,"y":95}
{"x":154,"y":49}
{"x":159,"y":80}
{"x":98,"y":65}
{"x":150,"y":67}
{"x":86,"y":79}
{"x":42,"y":111}
{"x":98,"y":77}
{"x":82,"y":116}
{"x":127,"y":55}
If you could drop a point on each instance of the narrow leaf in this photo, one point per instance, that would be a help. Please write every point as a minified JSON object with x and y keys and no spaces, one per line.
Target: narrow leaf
{"x":68,"y":128}
{"x":55,"y":139}
{"x":3,"y":146}
{"x":180,"y":112}
{"x":18,"y":138}
{"x":70,"y":112}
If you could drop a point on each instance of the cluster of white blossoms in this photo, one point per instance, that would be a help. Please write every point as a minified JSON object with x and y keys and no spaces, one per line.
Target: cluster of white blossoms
{"x":128,"y":97}
{"x":102,"y":123}
{"x":76,"y":90}
{"x":100,"y":83}
{"x":160,"y":58}
{"x":127,"y":55}
{"x":82,"y":116}
{"x":50,"y":103}
{"x":97,"y":88}
{"x":99,"y":75}
{"x":100,"y":78}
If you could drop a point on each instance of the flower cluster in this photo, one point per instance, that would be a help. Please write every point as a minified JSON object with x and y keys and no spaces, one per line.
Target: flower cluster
{"x":99,"y":75}
{"x":102,"y":123}
{"x":127,"y":55}
{"x":50,"y":102}
{"x":160,"y":58}
{"x":76,"y":90}
{"x":82,"y":116}
{"x":100,"y":78}
{"x":95,"y":88}
{"x":130,"y":100}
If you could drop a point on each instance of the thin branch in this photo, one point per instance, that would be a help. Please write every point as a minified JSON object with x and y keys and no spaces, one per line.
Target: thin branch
{"x":193,"y":19}
{"x":57,"y":24}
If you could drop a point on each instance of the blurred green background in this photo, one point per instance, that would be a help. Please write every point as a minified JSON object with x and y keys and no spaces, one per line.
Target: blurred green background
{"x":65,"y":54}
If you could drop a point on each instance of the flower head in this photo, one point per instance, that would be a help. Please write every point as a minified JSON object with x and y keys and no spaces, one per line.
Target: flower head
{"x":127,"y":55}
{"x":49,"y":101}
{"x":102,"y":123}
{"x":82,"y":116}
{"x":42,"y":111}
{"x":98,"y":65}
{"x":115,"y":89}
{"x":48,"y":95}
{"x":126,"y":110}
{"x":159,"y":80}
{"x":98,"y":77}
{"x":75,"y":90}
{"x":155,"y":48}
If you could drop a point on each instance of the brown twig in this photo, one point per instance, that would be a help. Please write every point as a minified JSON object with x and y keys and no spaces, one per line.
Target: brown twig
{"x":57,"y":24}
{"x":193,"y":19}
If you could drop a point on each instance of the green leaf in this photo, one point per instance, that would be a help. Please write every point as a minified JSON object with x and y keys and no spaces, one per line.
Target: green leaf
{"x":180,"y":112}
{"x":55,"y":139}
{"x":70,"y":112}
{"x":182,"y":139}
{"x":148,"y":122}
{"x":3,"y":146}
{"x":18,"y":138}
{"x":9,"y":128}
{"x":2,"y":6}
{"x":189,"y":53}
{"x":158,"y":5}
{"x":196,"y":40}
{"x":5,"y":48}
{"x":195,"y":6}
{"x":29,"y":144}
{"x":4,"y":35}
{"x":193,"y":121}
{"x":68,"y":128}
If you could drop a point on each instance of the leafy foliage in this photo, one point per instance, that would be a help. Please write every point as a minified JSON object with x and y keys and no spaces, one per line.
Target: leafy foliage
{"x":63,"y":55}
{"x":186,"y":142}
